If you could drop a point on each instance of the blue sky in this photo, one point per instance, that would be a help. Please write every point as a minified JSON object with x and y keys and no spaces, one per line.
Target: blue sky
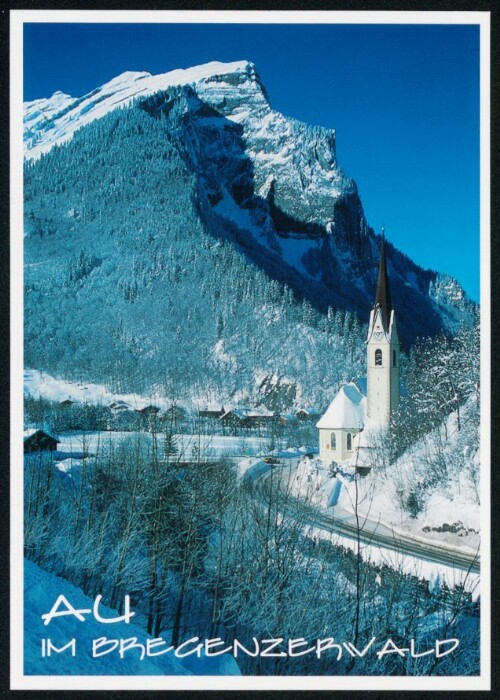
{"x":404,"y":101}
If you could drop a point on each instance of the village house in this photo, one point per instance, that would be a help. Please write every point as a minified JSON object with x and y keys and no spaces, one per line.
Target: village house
{"x":119,"y":406}
{"x":148,"y":411}
{"x":307,"y":414}
{"x":211,"y":411}
{"x":36,"y":440}
{"x":247,"y":417}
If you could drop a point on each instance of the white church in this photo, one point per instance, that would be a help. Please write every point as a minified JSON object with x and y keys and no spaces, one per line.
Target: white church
{"x":371,"y":400}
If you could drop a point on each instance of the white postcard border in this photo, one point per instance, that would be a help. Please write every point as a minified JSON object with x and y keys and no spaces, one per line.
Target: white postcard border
{"x":19,"y":681}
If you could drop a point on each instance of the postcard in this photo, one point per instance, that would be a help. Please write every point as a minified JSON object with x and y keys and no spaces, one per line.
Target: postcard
{"x":250,"y":278}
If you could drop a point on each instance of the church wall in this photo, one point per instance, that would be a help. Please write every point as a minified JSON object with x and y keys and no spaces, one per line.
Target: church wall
{"x":340,"y":453}
{"x":382,"y":379}
{"x":394,"y":388}
{"x":379,"y":383}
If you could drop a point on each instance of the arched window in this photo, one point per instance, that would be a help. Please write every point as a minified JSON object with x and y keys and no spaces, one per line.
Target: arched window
{"x":378,"y":357}
{"x":394,"y":358}
{"x":333,"y":441}
{"x":349,"y":441}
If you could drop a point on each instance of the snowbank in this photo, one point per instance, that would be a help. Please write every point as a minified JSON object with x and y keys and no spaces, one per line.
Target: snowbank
{"x":41,"y":593}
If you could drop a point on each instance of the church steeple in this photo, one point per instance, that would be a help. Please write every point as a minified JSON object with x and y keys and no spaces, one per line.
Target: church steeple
{"x":382,"y":350}
{"x":383,"y":294}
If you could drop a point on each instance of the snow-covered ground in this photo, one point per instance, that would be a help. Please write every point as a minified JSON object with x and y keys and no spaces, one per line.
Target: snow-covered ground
{"x":221,"y":445}
{"x":312,"y":482}
{"x":436,"y":574}
{"x":445,"y":518}
{"x":75,"y":446}
{"x":445,"y":510}
{"x":208,"y":445}
{"x":41,"y":591}
{"x":42,"y":385}
{"x":448,"y":511}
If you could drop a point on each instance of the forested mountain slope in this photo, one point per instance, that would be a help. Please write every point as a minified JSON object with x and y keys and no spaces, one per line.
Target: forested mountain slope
{"x":184,"y":234}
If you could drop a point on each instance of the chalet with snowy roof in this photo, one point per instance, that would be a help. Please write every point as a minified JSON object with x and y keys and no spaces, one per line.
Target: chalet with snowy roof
{"x":247,"y":417}
{"x":119,"y":406}
{"x":211,"y":411}
{"x":307,"y":414}
{"x":173,"y":414}
{"x":373,"y":399}
{"x":36,"y":440}
{"x":149,"y":410}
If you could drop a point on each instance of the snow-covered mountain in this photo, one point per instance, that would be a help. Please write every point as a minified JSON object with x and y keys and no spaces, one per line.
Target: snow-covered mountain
{"x":158,"y":158}
{"x":52,"y":121}
{"x":236,"y":92}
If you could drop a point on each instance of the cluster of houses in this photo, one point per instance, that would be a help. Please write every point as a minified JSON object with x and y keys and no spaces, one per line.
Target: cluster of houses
{"x":254,"y":417}
{"x":243,"y":416}
{"x":236,"y":416}
{"x":122,"y":407}
{"x":234,"y":419}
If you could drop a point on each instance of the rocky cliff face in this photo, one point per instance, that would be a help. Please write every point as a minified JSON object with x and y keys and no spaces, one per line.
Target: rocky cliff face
{"x":268,"y":183}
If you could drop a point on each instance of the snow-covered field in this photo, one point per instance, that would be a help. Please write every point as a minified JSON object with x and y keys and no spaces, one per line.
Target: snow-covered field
{"x":208,"y":445}
{"x":41,"y":591}
{"x":75,"y":446}
{"x":42,"y":385}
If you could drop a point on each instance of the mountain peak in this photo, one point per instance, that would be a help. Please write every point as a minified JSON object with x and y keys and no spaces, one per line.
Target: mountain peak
{"x":126,"y":78}
{"x":54,"y":120}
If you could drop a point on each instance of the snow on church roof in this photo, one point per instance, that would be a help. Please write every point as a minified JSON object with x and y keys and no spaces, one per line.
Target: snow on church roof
{"x":347,"y":410}
{"x":361,"y":383}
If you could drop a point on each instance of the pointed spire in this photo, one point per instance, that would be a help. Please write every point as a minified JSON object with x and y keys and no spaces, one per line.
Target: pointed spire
{"x":383,"y":295}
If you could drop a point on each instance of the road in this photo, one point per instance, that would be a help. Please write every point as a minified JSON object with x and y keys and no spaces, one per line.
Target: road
{"x":343,"y":523}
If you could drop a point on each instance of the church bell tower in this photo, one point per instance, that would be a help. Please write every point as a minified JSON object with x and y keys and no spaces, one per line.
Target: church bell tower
{"x":383,"y":350}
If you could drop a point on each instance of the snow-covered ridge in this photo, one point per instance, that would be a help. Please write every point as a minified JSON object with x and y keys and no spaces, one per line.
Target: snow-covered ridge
{"x":295,"y":159}
{"x":54,"y":120}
